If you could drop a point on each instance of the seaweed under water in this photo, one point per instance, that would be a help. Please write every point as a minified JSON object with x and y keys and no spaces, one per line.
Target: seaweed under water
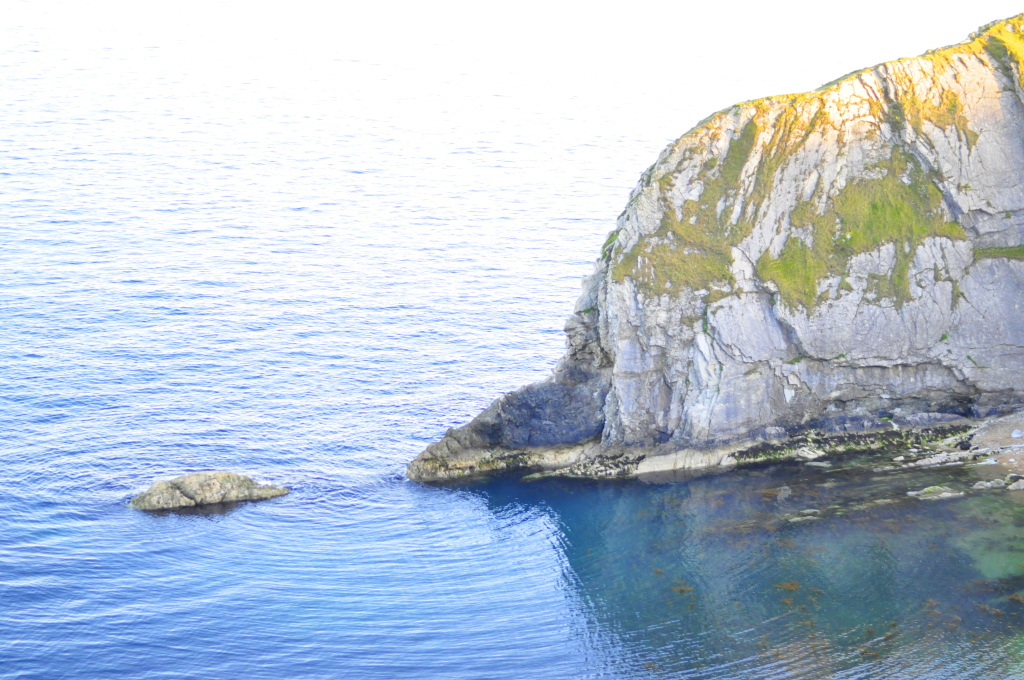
{"x":790,"y":570}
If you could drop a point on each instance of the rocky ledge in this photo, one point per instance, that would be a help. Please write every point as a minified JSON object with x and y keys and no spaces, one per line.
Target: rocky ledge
{"x":842,"y":261}
{"x":204,"y":488}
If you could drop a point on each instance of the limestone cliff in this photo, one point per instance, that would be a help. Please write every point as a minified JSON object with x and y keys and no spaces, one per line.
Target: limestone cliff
{"x":842,"y":260}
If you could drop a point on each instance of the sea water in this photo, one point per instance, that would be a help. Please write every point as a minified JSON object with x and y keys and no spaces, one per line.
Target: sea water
{"x":309,"y":282}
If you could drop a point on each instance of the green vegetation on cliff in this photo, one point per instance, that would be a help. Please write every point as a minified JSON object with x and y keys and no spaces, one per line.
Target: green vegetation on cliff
{"x":1005,"y":44}
{"x":694,"y":251}
{"x":903,"y":207}
{"x":897,"y":201}
{"x":1009,"y":252}
{"x":947,"y":113}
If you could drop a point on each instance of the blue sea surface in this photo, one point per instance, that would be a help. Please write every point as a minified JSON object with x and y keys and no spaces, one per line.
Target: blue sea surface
{"x":308,"y":282}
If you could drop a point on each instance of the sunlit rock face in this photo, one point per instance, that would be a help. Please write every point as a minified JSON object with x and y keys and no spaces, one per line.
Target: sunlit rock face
{"x":843,"y":260}
{"x":204,"y":488}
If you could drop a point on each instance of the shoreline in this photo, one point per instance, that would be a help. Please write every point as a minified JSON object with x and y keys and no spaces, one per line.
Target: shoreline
{"x":950,"y":443}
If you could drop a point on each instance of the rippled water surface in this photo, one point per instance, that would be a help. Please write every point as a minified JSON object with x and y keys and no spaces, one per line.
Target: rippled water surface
{"x":308,"y":282}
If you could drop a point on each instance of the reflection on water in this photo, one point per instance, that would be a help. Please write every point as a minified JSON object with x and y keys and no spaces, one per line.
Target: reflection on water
{"x":210,"y":509}
{"x":786,"y":570}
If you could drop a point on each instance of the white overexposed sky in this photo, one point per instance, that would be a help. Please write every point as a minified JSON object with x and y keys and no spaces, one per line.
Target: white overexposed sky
{"x":660,"y":64}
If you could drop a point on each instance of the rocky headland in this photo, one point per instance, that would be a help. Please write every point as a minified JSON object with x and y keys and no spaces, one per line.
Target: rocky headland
{"x":204,"y":488}
{"x":796,"y":275}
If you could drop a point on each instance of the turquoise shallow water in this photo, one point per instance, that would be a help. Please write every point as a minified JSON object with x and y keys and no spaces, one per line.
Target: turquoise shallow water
{"x":308,"y":282}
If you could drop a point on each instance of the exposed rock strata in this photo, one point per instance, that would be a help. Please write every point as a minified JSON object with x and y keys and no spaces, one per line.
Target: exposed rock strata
{"x":846,"y":260}
{"x":204,"y":488}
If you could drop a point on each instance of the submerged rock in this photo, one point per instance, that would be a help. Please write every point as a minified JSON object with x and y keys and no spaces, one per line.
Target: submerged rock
{"x":935,"y":493}
{"x":846,"y":260}
{"x":809,"y":453}
{"x":993,"y":484}
{"x":204,"y":488}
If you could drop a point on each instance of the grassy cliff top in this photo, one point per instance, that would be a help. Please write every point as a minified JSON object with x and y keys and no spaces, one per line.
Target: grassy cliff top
{"x":860,"y":143}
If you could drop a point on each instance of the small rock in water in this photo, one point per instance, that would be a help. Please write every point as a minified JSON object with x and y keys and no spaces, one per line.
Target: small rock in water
{"x":1016,"y":434}
{"x":818,"y":464}
{"x":1017,"y":486}
{"x":784,"y":493}
{"x":204,"y":488}
{"x":899,"y":459}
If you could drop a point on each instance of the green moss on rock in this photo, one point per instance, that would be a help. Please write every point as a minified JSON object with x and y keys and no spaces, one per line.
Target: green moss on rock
{"x":1009,"y":252}
{"x":796,"y":272}
{"x":695,"y":249}
{"x":947,"y":113}
{"x":903,"y":208}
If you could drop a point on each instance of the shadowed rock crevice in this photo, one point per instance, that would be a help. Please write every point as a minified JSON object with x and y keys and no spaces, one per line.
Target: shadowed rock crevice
{"x":550,"y":419}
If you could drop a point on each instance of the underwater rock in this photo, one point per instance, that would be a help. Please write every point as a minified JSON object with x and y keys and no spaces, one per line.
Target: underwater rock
{"x":934,"y":493}
{"x":994,"y":484}
{"x":809,"y":453}
{"x":726,"y":312}
{"x":945,"y":458}
{"x":203,"y":488}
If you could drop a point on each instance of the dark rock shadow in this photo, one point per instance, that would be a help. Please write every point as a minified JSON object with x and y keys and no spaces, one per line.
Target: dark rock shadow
{"x":210,"y":509}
